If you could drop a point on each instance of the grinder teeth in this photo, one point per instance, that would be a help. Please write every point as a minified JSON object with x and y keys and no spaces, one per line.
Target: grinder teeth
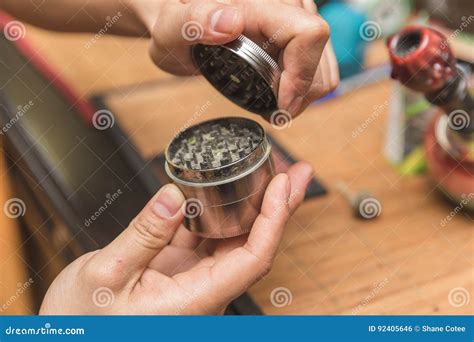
{"x":211,"y":146}
{"x":242,"y":71}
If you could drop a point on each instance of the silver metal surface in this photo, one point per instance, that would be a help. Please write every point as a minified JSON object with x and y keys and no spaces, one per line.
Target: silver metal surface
{"x":243,"y":72}
{"x":458,"y":145}
{"x":455,"y":97}
{"x":223,"y":201}
{"x":216,"y":149}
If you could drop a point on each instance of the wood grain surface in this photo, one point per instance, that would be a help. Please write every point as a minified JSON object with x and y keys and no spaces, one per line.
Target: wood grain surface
{"x":15,"y":284}
{"x":404,"y":262}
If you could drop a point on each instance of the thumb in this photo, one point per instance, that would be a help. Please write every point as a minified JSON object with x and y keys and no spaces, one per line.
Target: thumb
{"x":203,"y":22}
{"x":182,"y":25}
{"x":146,"y":235}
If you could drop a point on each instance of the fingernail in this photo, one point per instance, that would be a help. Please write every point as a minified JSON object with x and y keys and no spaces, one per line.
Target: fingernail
{"x":308,"y":170}
{"x":168,"y":201}
{"x":295,"y":105}
{"x":223,"y":20}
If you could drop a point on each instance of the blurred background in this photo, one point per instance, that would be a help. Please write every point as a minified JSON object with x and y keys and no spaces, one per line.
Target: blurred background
{"x":85,"y":118}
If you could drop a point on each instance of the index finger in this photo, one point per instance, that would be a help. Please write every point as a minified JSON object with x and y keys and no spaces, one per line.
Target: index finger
{"x":301,"y":35}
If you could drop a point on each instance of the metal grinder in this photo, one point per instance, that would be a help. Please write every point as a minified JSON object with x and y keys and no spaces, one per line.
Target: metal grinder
{"x":223,"y":167}
{"x":241,"y":71}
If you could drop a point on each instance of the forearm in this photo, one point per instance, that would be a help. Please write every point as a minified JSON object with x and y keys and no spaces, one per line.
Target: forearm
{"x":125,"y":17}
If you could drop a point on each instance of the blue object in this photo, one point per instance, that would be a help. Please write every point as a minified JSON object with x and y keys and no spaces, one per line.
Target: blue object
{"x":348,"y":44}
{"x":237,"y":328}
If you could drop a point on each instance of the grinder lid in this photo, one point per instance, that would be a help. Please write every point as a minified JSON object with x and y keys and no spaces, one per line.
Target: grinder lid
{"x":241,"y":71}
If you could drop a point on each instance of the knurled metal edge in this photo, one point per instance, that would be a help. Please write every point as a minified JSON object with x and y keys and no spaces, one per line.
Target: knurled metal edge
{"x":262,"y":53}
{"x":199,"y":176}
{"x":262,"y":158}
{"x":262,"y":62}
{"x":258,"y":58}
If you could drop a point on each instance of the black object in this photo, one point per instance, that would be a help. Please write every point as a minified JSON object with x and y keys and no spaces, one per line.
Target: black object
{"x":65,"y":159}
{"x":281,"y":155}
{"x":243,"y":305}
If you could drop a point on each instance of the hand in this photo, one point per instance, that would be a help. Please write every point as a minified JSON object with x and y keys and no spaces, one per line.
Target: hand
{"x":156,"y":266}
{"x":290,"y":30}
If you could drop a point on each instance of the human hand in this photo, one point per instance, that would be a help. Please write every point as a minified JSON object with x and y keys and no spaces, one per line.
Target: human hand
{"x":156,"y":266}
{"x":291,"y":31}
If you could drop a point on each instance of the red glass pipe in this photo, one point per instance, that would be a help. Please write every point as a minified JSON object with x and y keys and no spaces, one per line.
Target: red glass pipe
{"x":453,"y":173}
{"x":422,"y":60}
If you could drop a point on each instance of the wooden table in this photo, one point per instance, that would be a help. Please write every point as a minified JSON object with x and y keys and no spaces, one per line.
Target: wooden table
{"x":404,"y":262}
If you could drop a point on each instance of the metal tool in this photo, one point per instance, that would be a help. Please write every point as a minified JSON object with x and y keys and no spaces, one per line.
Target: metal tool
{"x":362,"y":203}
{"x":223,"y":167}
{"x":241,"y":71}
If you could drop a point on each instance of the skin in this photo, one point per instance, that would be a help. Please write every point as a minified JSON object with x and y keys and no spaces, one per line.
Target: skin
{"x":156,"y":266}
{"x":296,"y":36}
